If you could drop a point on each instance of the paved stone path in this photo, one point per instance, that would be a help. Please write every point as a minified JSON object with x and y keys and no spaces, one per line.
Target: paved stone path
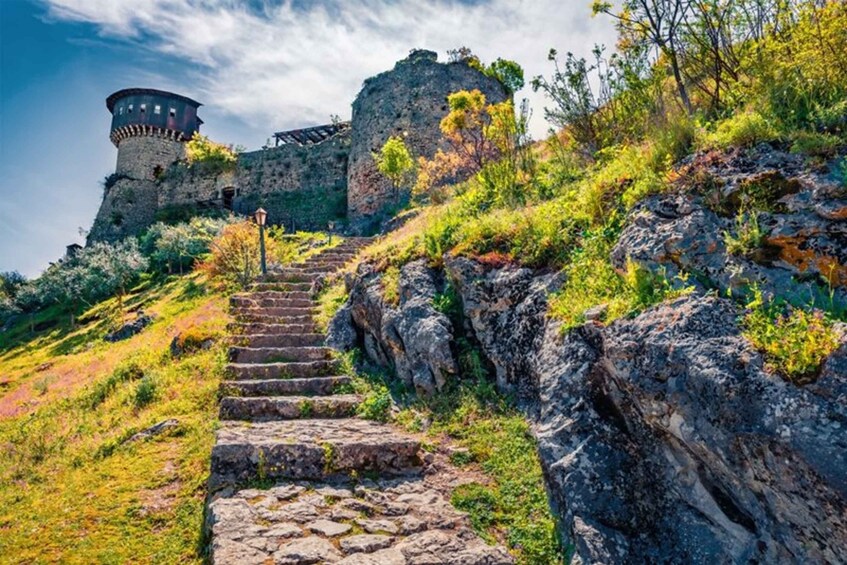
{"x":332,"y":488}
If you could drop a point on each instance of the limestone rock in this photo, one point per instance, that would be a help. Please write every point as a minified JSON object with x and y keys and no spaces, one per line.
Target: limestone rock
{"x":341,"y":334}
{"x":129,"y":329}
{"x":414,"y":337}
{"x":306,"y":551}
{"x":365,"y":543}
{"x":665,"y":441}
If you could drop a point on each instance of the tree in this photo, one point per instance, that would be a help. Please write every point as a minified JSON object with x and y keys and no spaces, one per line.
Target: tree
{"x":509,"y":73}
{"x":658,"y":22}
{"x":200,"y":150}
{"x":395,"y":162}
{"x":235,"y":255}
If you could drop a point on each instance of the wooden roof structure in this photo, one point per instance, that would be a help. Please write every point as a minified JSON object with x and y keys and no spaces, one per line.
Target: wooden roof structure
{"x":309,"y":136}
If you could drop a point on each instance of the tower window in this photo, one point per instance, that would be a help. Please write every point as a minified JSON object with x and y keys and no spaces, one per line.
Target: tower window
{"x":121,"y":111}
{"x":129,"y":109}
{"x":157,"y":109}
{"x":143,"y":108}
{"x":172,"y":112}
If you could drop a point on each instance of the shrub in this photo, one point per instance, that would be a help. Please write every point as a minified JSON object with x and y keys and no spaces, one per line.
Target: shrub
{"x":748,"y":236}
{"x":177,"y":247}
{"x":479,"y":502}
{"x":794,"y":342}
{"x":823,"y":145}
{"x":395,"y":162}
{"x":145,"y":392}
{"x":235,"y":255}
{"x":376,"y":405}
{"x":125,"y":372}
{"x":215,"y":157}
{"x":742,"y":130}
{"x":592,"y":281}
{"x":391,"y":286}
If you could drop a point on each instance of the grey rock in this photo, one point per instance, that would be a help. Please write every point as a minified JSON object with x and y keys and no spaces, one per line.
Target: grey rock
{"x":306,"y":551}
{"x":328,"y":528}
{"x":664,"y":440}
{"x":129,"y":329}
{"x":365,"y":543}
{"x":155,"y":430}
{"x":413,"y":338}
{"x":341,"y":333}
{"x":384,"y":557}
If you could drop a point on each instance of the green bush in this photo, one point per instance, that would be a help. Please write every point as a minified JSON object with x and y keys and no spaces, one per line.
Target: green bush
{"x":794,"y":342}
{"x":748,"y":236}
{"x":145,"y":392}
{"x":742,"y":130}
{"x":125,"y":372}
{"x":592,"y":281}
{"x":822,"y":145}
{"x":479,"y":502}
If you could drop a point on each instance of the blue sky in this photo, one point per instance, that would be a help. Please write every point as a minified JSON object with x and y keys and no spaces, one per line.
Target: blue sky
{"x":258,"y":66}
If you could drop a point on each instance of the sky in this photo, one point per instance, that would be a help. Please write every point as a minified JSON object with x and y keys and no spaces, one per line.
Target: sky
{"x":258,"y":66}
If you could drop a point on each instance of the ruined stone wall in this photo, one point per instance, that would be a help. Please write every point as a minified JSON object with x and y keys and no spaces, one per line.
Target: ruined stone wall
{"x":301,"y":187}
{"x":409,"y":101}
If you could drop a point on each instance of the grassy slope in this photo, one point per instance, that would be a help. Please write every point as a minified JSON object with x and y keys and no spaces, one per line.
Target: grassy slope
{"x":71,"y":488}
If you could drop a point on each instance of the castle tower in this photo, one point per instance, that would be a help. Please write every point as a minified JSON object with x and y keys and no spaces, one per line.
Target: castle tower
{"x":149,"y":128}
{"x":409,"y":101}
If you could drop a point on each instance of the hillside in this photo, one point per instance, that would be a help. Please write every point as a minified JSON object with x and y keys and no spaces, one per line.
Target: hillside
{"x":625,"y":343}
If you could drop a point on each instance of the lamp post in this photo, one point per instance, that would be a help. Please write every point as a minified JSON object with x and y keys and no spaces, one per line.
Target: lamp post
{"x":261,"y":216}
{"x":331,"y":228}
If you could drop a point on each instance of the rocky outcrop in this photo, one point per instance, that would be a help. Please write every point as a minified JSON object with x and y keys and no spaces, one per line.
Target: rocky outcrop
{"x":664,"y":440}
{"x":803,"y":257}
{"x":412,"y":337}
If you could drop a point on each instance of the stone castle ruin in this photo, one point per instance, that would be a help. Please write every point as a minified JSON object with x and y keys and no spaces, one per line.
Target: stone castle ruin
{"x":308,"y":179}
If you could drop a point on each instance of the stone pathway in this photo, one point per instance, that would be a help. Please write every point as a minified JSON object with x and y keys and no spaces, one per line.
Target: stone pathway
{"x":296,"y":478}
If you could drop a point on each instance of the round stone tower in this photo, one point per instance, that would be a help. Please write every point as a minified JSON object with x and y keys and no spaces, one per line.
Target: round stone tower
{"x":408,"y":101}
{"x":149,"y":128}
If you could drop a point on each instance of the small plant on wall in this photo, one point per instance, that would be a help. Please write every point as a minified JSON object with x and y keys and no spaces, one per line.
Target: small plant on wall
{"x":212,"y":156}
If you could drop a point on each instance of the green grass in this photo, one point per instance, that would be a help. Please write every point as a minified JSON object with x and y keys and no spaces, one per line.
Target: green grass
{"x":794,"y":341}
{"x":73,"y":487}
{"x":743,"y":129}
{"x":330,"y":300}
{"x":747,"y":236}
{"x":592,"y":281}
{"x":512,"y":508}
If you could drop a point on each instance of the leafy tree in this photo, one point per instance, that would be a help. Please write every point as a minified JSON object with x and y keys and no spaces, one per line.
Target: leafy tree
{"x":656,"y":22}
{"x":395,"y":162}
{"x":177,"y":247}
{"x":235,"y":255}
{"x":11,"y":282}
{"x":509,"y":73}
{"x":601,"y":103}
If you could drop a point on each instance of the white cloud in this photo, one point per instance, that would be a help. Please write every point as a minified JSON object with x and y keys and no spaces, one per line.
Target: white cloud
{"x":284,"y":66}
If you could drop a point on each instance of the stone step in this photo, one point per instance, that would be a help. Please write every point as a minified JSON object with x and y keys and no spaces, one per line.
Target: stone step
{"x":290,"y":370}
{"x":240,"y":354}
{"x":273,"y":318}
{"x":279,"y":340}
{"x":271,"y":408}
{"x":277,"y":311}
{"x":283,"y":387}
{"x":260,"y":295}
{"x":308,"y":449}
{"x":264,"y":328}
{"x":265,"y":302}
{"x":289,"y":276}
{"x":259,"y":287}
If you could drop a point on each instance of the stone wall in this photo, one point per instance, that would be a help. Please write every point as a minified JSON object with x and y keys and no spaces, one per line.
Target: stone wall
{"x":408,"y":101}
{"x":301,"y":187}
{"x":139,"y":156}
{"x":128,"y":208}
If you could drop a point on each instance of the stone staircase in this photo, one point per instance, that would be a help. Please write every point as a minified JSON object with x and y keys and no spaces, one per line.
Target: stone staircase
{"x":288,"y":425}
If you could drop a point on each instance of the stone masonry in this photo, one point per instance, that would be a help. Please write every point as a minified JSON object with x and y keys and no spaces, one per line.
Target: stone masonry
{"x":305,"y":183}
{"x":296,"y":478}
